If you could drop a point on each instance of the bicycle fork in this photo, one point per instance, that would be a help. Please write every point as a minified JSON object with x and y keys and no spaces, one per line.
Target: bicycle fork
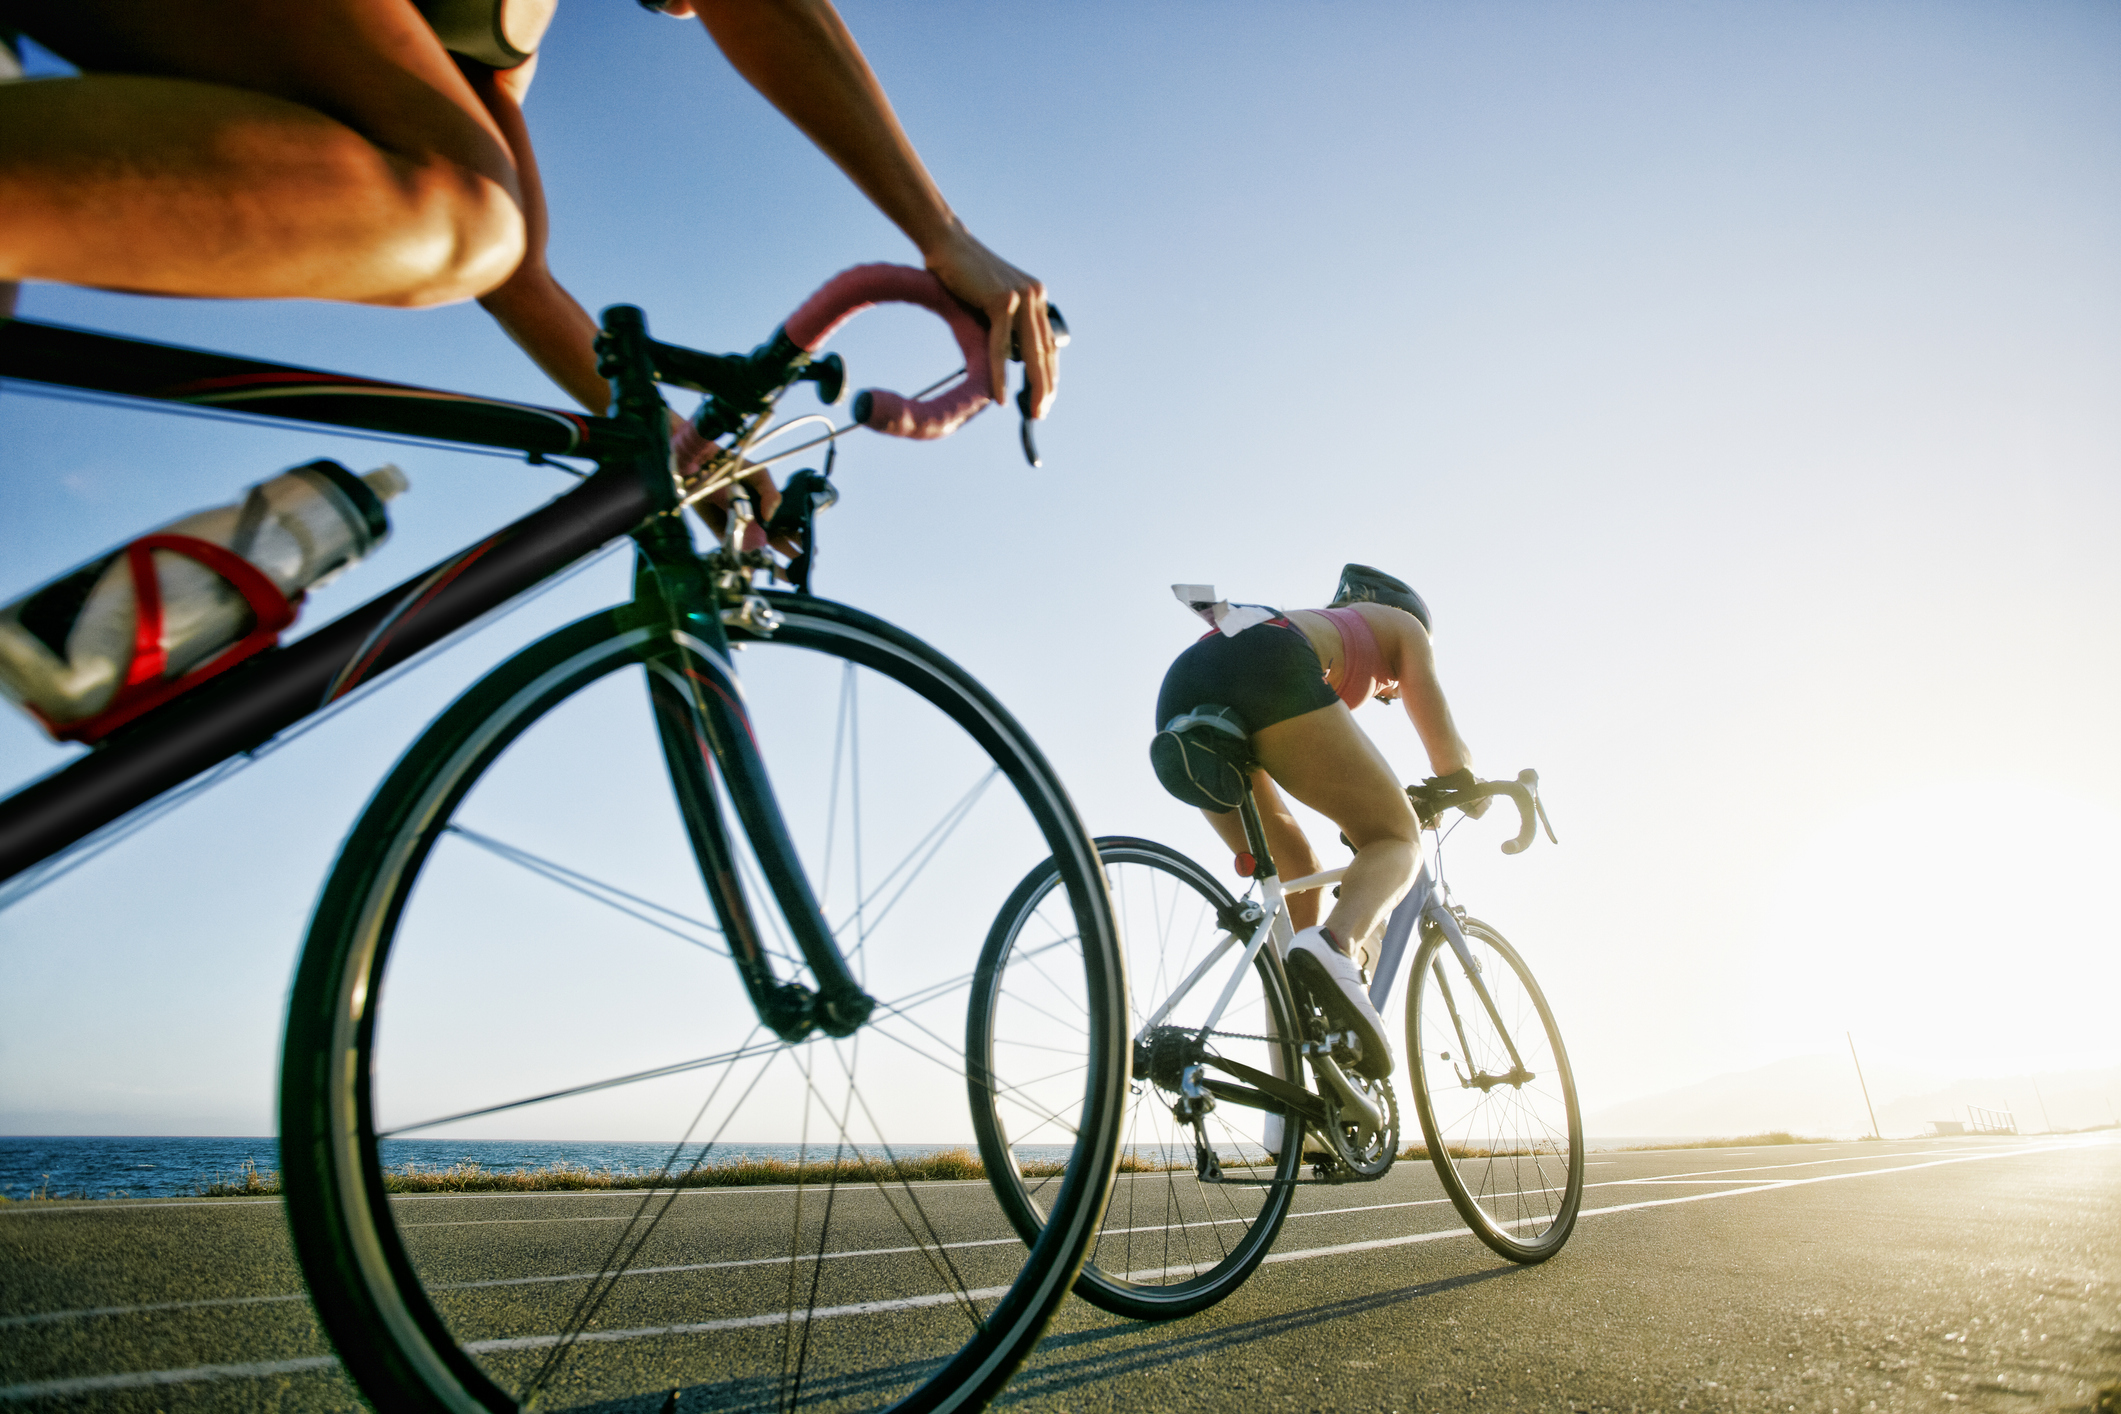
{"x":1438,"y":918}
{"x":702,"y":721}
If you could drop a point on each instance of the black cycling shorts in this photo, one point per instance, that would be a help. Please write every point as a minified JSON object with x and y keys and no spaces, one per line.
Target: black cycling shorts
{"x":1269,"y":673}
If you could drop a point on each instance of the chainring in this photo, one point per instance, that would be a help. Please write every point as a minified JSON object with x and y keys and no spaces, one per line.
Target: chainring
{"x":1364,"y":1154}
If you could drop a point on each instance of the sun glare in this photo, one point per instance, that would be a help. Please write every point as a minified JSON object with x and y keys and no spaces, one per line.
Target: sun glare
{"x":1967,"y":934}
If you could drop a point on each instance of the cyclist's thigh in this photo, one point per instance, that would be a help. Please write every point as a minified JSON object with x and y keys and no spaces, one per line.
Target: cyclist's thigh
{"x":373,"y":65}
{"x":1327,"y":762}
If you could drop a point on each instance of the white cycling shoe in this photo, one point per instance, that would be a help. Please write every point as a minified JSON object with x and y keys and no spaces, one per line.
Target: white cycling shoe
{"x":1335,"y":982}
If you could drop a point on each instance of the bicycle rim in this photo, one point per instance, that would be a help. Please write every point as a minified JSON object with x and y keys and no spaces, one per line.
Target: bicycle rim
{"x":516,"y":957}
{"x":1170,"y":1244}
{"x":1510,"y":1154}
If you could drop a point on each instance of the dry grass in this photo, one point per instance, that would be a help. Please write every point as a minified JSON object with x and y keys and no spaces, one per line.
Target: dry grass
{"x":1743,"y":1141}
{"x":1135,"y":1163}
{"x":1469,"y":1151}
{"x":941,"y":1166}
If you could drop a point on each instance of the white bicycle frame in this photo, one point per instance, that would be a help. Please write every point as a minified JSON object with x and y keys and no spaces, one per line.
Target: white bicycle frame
{"x":1426,"y":898}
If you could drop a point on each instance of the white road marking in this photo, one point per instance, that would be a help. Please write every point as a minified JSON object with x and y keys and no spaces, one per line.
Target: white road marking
{"x":93,"y":1383}
{"x":1773,"y":1185}
{"x":44,"y":1317}
{"x":733,"y":1190}
{"x":507,"y":1222}
{"x":93,"y":1205}
{"x":734,"y":1262}
{"x":143,"y":1379}
{"x":1926,"y":1154}
{"x":736,"y":1323}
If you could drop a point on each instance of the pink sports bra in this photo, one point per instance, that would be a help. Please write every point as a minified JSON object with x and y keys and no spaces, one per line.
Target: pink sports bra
{"x":1362,"y":666}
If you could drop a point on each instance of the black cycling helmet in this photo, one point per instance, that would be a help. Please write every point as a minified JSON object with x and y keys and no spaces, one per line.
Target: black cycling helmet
{"x":1360,"y":584}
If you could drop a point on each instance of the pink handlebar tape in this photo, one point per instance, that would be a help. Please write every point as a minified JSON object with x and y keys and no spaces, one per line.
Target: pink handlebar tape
{"x":852,"y":291}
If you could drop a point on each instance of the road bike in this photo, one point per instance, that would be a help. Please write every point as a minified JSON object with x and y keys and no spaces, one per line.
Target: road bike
{"x":1220,"y":1121}
{"x":530,"y":930}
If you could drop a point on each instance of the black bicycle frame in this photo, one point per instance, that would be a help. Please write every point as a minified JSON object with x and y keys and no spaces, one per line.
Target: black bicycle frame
{"x":632,"y":492}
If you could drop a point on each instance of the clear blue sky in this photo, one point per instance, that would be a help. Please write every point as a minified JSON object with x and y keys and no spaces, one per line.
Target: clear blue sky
{"x":1738,"y":384}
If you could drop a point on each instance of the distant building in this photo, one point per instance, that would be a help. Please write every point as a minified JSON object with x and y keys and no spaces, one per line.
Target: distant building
{"x":1943,"y":1128}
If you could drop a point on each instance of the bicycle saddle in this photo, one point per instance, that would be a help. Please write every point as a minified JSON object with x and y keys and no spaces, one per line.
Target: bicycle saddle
{"x":1204,"y":756}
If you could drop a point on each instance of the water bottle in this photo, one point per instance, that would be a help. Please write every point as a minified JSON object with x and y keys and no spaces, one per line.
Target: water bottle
{"x":67,"y":649}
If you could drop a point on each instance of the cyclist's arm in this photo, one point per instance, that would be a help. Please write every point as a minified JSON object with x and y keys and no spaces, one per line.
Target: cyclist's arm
{"x":799,"y":55}
{"x":1410,"y":658}
{"x":534,"y":308}
{"x":548,"y":323}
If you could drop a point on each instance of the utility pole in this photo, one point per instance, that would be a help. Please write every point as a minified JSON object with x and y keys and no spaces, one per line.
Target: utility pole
{"x":1866,"y":1088}
{"x":2044,"y":1120}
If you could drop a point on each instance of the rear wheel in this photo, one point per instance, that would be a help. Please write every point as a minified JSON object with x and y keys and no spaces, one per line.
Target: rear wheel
{"x":1171,"y":1244}
{"x":517,"y":953}
{"x":1501,"y":1126}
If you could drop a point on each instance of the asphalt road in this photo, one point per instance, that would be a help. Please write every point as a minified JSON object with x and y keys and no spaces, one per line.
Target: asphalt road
{"x":1965,"y":1274}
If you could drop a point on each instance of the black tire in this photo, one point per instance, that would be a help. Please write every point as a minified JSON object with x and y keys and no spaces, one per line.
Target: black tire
{"x":1510,"y":1155}
{"x":1170,"y":1245}
{"x":457,"y":963}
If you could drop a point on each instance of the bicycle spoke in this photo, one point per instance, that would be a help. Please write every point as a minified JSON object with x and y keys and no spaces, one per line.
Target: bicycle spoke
{"x":1507,"y":1153}
{"x":840,"y":741}
{"x":1013,"y":1091}
{"x":1053,"y":984}
{"x":945,"y":1265}
{"x":789,"y":1355}
{"x":485,"y":1014}
{"x":587,"y":886}
{"x":658,"y":1073}
{"x":593,"y":1299}
{"x":932,"y":842}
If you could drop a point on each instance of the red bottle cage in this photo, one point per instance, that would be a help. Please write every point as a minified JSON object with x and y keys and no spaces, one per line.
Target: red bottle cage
{"x":144,"y":688}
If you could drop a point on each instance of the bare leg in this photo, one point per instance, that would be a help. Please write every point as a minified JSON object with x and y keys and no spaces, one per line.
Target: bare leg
{"x":253,"y":149}
{"x":1324,"y":760}
{"x":1293,"y":855}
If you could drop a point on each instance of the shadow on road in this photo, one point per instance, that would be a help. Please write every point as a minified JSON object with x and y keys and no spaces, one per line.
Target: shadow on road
{"x":1046,"y":1375}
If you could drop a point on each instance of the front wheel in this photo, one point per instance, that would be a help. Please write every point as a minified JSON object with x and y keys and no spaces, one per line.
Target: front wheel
{"x":1494,"y":1092}
{"x":1171,"y":1243}
{"x":522,"y":960}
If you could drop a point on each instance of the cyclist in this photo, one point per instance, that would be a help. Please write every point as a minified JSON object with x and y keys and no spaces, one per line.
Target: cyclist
{"x":352,"y":150}
{"x":1292,"y":679}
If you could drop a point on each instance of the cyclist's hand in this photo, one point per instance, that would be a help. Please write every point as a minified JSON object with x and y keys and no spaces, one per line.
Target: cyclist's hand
{"x":1014,"y":304}
{"x":691,"y":451}
{"x":1462,"y":779}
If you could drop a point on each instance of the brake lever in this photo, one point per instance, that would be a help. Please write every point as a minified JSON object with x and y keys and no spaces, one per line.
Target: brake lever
{"x":1523,"y":793}
{"x":1023,"y":396}
{"x":1529,"y":778}
{"x":1023,"y":430}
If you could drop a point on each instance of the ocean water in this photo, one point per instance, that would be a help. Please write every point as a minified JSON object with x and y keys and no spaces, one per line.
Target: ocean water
{"x":125,"y":1167}
{"x":168,"y":1167}
{"x":172,"y":1167}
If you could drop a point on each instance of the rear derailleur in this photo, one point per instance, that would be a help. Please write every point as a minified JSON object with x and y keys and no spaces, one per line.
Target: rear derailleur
{"x":1171,"y":1058}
